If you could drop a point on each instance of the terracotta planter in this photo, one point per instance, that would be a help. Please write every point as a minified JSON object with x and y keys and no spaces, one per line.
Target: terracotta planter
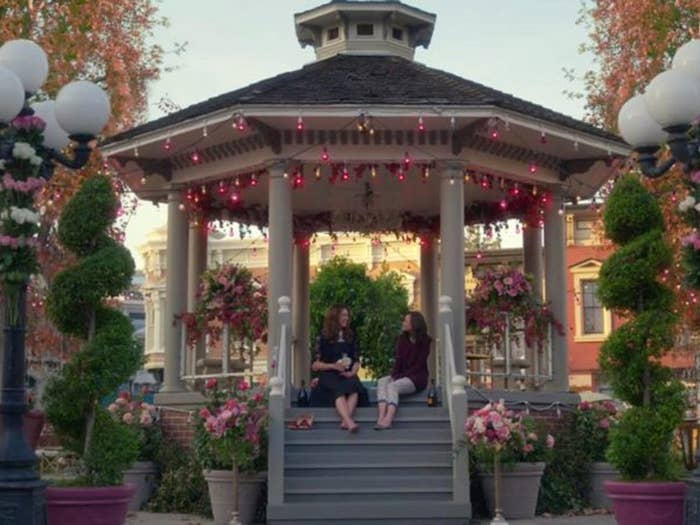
{"x":520,"y":485}
{"x":142,"y":475}
{"x":600,"y":473}
{"x":88,"y":505}
{"x":220,"y":484}
{"x":647,"y":503}
{"x":33,"y":423}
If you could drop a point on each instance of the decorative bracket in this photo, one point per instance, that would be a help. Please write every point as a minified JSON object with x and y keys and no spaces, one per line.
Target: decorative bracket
{"x":270,"y":135}
{"x":460,"y":136}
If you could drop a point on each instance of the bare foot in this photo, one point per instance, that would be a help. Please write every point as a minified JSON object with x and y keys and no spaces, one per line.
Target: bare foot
{"x":353,"y":428}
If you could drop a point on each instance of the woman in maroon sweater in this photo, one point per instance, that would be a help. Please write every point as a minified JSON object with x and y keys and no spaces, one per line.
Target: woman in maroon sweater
{"x":410,"y":373}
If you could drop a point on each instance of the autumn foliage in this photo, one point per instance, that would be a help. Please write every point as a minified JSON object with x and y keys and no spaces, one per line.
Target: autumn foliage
{"x":632,"y":41}
{"x":107,"y":42}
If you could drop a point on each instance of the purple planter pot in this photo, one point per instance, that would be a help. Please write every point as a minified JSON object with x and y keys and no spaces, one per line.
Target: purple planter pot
{"x":647,"y":503}
{"x":88,"y":505}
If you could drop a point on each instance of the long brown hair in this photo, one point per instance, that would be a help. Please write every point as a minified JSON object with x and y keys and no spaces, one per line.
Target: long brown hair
{"x":419,"y":329}
{"x":331,"y":324}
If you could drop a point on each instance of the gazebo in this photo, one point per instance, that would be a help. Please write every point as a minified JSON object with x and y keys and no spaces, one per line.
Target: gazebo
{"x":364,"y":139}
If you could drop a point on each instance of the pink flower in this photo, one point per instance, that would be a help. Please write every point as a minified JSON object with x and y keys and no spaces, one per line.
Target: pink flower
{"x":113,"y":407}
{"x":550,"y":441}
{"x":128,"y":418}
{"x":211,"y":383}
{"x":528,"y":448}
{"x":584,"y":405}
{"x":121,"y":401}
{"x":605,"y":423}
{"x":145,"y":419}
{"x":243,"y":386}
{"x":695,"y":177}
{"x":125,"y":395}
{"x":204,"y":413}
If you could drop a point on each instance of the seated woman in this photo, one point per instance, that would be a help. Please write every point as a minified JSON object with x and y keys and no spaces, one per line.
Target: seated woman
{"x":410,"y":373}
{"x":338,"y":360}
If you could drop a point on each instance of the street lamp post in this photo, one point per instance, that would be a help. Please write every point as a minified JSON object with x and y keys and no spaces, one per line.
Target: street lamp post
{"x":79,"y":113}
{"x":669,"y":113}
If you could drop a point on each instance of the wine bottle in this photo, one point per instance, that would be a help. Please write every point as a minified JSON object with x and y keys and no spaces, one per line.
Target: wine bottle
{"x":432,"y":394}
{"x":302,"y":395}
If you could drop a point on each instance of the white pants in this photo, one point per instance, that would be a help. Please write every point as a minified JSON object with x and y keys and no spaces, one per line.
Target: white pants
{"x":388,"y":390}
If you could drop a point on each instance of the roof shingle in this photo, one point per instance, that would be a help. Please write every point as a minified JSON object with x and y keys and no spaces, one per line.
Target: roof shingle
{"x":366,"y":81}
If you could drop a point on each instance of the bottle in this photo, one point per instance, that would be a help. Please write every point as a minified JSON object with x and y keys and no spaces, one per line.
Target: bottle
{"x":302,"y":395}
{"x":432,"y":394}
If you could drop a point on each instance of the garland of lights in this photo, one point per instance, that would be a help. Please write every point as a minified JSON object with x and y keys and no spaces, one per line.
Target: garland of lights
{"x":524,"y":202}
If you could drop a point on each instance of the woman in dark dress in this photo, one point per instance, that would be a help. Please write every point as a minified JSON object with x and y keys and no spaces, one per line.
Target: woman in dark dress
{"x":338,"y":360}
{"x":410,"y":372}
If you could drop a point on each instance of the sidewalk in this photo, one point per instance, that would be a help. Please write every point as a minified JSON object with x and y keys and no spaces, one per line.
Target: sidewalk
{"x":147,"y":518}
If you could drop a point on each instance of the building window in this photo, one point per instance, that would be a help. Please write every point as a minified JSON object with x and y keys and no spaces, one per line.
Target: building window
{"x":365,"y":29}
{"x":592,"y":308}
{"x":583,"y":231}
{"x":397,"y":33}
{"x":333,"y":33}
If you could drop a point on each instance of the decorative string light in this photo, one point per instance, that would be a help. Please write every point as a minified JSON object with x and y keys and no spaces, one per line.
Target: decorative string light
{"x":240,"y":123}
{"x":253,"y":179}
{"x":406,"y":160}
{"x":453,"y":123}
{"x":205,"y":131}
{"x":222,"y":187}
{"x":300,"y":124}
{"x":346,"y":173}
{"x":533,"y":167}
{"x":421,"y":124}
{"x":325,"y":157}
{"x":237,"y":181}
{"x":561,"y":210}
{"x":543,"y":137}
{"x":136,"y":152}
{"x":181,"y":206}
{"x":534,"y":190}
{"x":167,"y":144}
{"x":143,"y":180}
{"x":195,"y":157}
{"x":373,"y":171}
{"x":317,"y":172}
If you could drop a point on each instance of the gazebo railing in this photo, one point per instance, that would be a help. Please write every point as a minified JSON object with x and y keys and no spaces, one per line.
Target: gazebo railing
{"x":191,"y":362}
{"x":455,"y":395}
{"x":279,"y":401}
{"x":516,"y":361}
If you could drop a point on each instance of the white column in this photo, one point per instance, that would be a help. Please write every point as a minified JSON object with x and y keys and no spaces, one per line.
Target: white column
{"x":452,"y":252}
{"x":555,"y":279}
{"x":428,"y":293}
{"x":197,"y":264}
{"x":175,"y":291}
{"x":300,"y":313}
{"x":533,"y":265}
{"x":279,"y":255}
{"x":532,"y":257}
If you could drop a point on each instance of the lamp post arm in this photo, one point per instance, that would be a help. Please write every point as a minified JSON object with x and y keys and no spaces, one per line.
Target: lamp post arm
{"x":81,"y":154}
{"x":648,"y":164}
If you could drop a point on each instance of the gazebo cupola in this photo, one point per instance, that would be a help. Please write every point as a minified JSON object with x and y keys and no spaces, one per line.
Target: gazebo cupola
{"x":364,"y":28}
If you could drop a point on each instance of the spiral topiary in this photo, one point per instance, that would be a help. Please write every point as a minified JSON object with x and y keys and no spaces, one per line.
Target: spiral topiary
{"x":641,"y":445}
{"x":76,"y":305}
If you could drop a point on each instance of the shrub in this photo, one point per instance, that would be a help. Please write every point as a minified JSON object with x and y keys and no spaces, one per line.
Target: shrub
{"x":110,"y":355}
{"x":640,"y":446}
{"x":377,"y":308}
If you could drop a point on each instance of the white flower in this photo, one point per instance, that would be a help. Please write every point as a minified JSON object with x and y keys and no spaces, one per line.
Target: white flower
{"x":22,"y":215}
{"x":686,"y":203}
{"x":22,"y":150}
{"x":697,"y":207}
{"x":2,"y":164}
{"x":36,"y":160}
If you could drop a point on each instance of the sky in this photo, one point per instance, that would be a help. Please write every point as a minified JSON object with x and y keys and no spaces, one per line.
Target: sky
{"x":517,"y":46}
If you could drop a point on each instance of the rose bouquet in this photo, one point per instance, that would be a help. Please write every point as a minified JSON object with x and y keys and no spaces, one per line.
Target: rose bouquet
{"x":495,"y":433}
{"x":142,"y":418}
{"x":595,"y":421}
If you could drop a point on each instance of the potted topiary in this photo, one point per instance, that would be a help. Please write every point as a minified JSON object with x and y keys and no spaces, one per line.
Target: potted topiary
{"x":594,"y":421}
{"x":76,"y":305}
{"x":511,"y":453}
{"x":134,"y":412}
{"x":230,"y":445}
{"x":641,"y":444}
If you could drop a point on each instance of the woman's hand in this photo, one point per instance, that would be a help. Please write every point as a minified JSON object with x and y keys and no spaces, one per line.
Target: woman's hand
{"x":338,"y":367}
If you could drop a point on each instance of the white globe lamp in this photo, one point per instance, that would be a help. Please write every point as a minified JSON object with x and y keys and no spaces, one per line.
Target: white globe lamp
{"x":26,"y":60}
{"x":55,"y":137}
{"x":673,"y":98}
{"x":82,"y":108}
{"x":11,"y":95}
{"x":636,"y":125}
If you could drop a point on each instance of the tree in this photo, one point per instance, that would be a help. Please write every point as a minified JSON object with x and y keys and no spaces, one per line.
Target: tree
{"x":377,"y":308}
{"x":641,"y":445}
{"x":105,"y":41}
{"x":631,"y":42}
{"x":109,"y":354}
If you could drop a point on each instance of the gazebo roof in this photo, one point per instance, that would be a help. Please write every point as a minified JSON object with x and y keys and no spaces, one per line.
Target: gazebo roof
{"x":366,"y":81}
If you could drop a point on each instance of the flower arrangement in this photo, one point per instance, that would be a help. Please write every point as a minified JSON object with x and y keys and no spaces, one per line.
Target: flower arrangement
{"x":229,"y":295}
{"x":231,"y":427}
{"x":494,"y":432}
{"x":503,"y":291}
{"x":595,"y":421}
{"x":21,"y":178}
{"x":142,"y":418}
